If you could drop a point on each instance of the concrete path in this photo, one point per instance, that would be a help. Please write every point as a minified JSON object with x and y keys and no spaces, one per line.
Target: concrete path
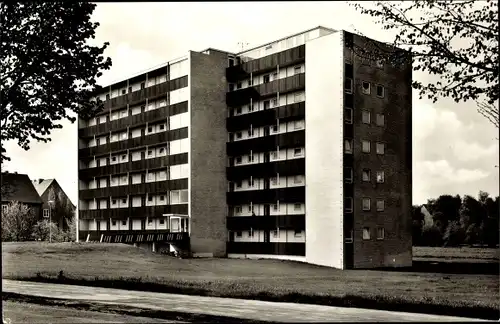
{"x":238,"y":308}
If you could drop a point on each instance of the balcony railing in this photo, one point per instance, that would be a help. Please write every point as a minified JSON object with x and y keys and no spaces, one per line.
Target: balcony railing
{"x":298,"y":249}
{"x":137,"y":142}
{"x":267,"y":169}
{"x":266,"y":117}
{"x":266,"y":64}
{"x":242,"y":223}
{"x":134,"y":212}
{"x":132,"y":121}
{"x":267,"y":196}
{"x":266,"y":90}
{"x":135,"y":189}
{"x":267,"y":143}
{"x":133,"y":236}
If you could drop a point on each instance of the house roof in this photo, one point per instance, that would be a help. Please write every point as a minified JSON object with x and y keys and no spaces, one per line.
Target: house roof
{"x":41,"y":185}
{"x":18,"y":187}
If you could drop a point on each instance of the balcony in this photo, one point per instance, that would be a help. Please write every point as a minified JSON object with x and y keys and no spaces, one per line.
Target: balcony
{"x":271,"y":248}
{"x":134,"y":143}
{"x":133,"y":166}
{"x":266,"y":90}
{"x":267,"y":143}
{"x":134,"y":212}
{"x":267,"y":196}
{"x":265,"y":64}
{"x":267,"y":169}
{"x":242,"y":223}
{"x":266,"y":117}
{"x":133,"y":120}
{"x":135,"y":189}
{"x":138,"y":97}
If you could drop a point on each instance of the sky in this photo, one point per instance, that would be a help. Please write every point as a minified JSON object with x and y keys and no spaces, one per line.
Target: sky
{"x":455,"y":150}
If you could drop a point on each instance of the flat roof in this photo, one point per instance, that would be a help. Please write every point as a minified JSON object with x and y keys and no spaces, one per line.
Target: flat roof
{"x":283,"y":38}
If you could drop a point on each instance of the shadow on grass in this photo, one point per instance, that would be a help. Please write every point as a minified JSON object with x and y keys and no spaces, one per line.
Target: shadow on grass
{"x":425,"y":306}
{"x":125,"y":310}
{"x":490,"y":268}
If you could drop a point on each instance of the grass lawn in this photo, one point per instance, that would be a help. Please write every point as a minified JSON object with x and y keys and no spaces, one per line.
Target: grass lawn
{"x":256,"y":279}
{"x":471,"y":254}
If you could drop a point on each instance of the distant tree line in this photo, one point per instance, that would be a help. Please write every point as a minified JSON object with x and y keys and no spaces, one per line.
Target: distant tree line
{"x":450,"y":221}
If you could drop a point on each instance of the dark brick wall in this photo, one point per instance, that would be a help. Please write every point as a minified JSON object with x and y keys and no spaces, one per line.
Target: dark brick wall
{"x":208,"y":153}
{"x":395,"y":249}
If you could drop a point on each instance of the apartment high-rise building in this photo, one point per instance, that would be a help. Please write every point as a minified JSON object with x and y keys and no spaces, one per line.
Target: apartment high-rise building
{"x":296,"y":149}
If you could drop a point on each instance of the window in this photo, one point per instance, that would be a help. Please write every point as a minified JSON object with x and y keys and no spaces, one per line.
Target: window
{"x":231,"y":61}
{"x":266,"y":78}
{"x":250,"y":233}
{"x":380,"y":120}
{"x":124,"y":222}
{"x":366,"y":117}
{"x":162,"y":127}
{"x":114,"y":201}
{"x":250,"y":208}
{"x":45,"y":211}
{"x":297,"y":233}
{"x":275,"y":102}
{"x":366,"y":203}
{"x":380,"y":148}
{"x":162,"y":150}
{"x":365,"y":146}
{"x":150,"y":176}
{"x":276,"y":207}
{"x":348,"y":204}
{"x":348,"y":237}
{"x":124,"y":157}
{"x":150,"y":129}
{"x":250,"y":158}
{"x":274,"y":181}
{"x":238,"y":135}
{"x":297,"y":69}
{"x":113,"y":159}
{"x":267,"y":104}
{"x":238,"y":159}
{"x":275,"y":128}
{"x":380,"y":177}
{"x":129,"y":89}
{"x":348,"y":175}
{"x":150,"y":153}
{"x":380,"y":91}
{"x":348,"y":146}
{"x":162,"y":221}
{"x":348,"y":115}
{"x":124,"y":201}
{"x":275,"y":76}
{"x":297,"y":152}
{"x":366,"y":175}
{"x":274,"y":155}
{"x":150,"y":198}
{"x":238,"y":85}
{"x":238,"y":184}
{"x":297,"y":179}
{"x":276,"y":233}
{"x":380,"y":233}
{"x":365,"y":87}
{"x":238,"y":110}
{"x":297,"y":124}
{"x":250,"y":132}
{"x":380,"y":205}
{"x":143,"y":85}
{"x":238,"y":234}
{"x":113,"y":223}
{"x":107,"y":96}
{"x":251,"y":182}
{"x":297,"y":206}
{"x":366,"y":233}
{"x":124,"y":91}
{"x":162,"y":198}
{"x":150,"y":222}
{"x":348,"y":85}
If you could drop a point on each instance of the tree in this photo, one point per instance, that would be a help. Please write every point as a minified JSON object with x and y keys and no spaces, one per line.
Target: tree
{"x":43,"y":230}
{"x":430,"y":30}
{"x":17,"y":222}
{"x":49,"y":69}
{"x":454,"y":234}
{"x":61,"y":209}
